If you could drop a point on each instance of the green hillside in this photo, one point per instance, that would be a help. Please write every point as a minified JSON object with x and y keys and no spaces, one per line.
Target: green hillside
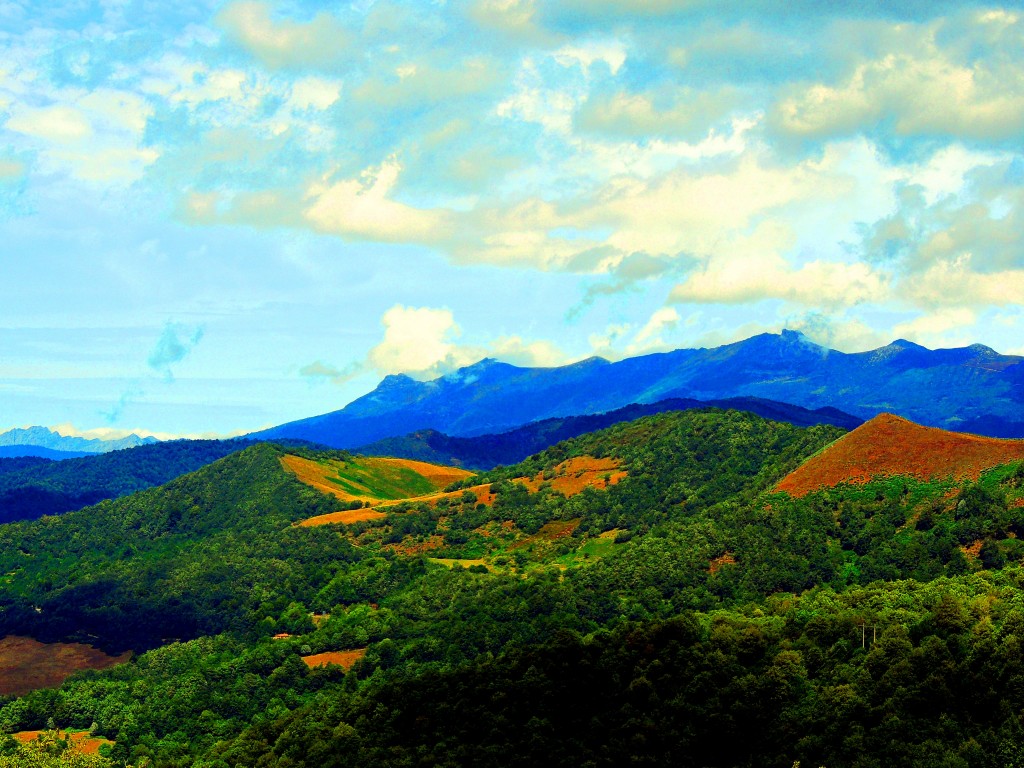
{"x":682,"y":614}
{"x":31,"y":488}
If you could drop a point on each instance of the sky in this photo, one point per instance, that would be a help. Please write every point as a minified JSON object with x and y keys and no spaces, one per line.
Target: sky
{"x":216,"y":217}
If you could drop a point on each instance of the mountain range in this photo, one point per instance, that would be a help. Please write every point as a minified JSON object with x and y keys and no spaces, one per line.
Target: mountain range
{"x":968,"y":389}
{"x":48,"y":443}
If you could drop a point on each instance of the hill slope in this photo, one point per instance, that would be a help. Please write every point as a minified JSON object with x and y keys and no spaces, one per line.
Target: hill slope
{"x":31,"y":488}
{"x":488,"y":451}
{"x":888,"y":445}
{"x":973,"y":388}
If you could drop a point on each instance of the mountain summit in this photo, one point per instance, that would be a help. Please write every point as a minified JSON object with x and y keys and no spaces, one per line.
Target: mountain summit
{"x":971,"y":389}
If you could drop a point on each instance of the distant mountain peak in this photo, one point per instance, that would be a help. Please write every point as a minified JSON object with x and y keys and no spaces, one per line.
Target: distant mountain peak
{"x":44,"y":437}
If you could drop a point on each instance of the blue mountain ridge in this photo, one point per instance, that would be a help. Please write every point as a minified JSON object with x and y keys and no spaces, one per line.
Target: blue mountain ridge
{"x":970,"y":389}
{"x":22,"y":441}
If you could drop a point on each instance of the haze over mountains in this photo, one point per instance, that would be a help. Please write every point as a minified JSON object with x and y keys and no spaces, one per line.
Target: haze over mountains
{"x":971,"y":389}
{"x":41,"y":441}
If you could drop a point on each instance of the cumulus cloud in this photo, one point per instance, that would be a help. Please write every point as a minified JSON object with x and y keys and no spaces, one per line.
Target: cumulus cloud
{"x":919,"y":86}
{"x":749,"y":279}
{"x":422,"y":342}
{"x":98,"y":136}
{"x":689,"y":114}
{"x":176,"y":342}
{"x":419,"y":340}
{"x":319,"y":42}
{"x":363,"y":208}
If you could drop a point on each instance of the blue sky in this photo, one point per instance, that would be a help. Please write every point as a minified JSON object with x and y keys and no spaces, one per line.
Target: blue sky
{"x":222,"y":216}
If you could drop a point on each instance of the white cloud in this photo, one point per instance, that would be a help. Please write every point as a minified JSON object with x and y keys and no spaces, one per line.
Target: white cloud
{"x":319,"y":42}
{"x":664,"y":319}
{"x":513,"y":349}
{"x":96,"y":136}
{"x":742,"y":279}
{"x":314,"y":93}
{"x":59,"y":123}
{"x":422,"y":342}
{"x":952,"y":283}
{"x":612,"y":53}
{"x":418,"y":340}
{"x":624,"y":114}
{"x":363,"y":209}
{"x":923,"y":86}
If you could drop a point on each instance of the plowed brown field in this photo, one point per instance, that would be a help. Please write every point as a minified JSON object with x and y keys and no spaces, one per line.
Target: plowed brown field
{"x":343,"y":659}
{"x":27,"y":664}
{"x":889,"y":445}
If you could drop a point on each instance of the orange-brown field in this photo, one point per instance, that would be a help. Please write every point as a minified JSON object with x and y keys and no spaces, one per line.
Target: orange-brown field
{"x":569,"y":478}
{"x":437,"y":474}
{"x":572,"y":476}
{"x":320,"y":474}
{"x":344,"y":517}
{"x":343,"y":659}
{"x":81,"y":740}
{"x":889,"y":445}
{"x":27,"y":664}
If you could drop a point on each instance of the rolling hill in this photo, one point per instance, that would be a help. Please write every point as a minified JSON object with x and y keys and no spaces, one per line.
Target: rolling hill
{"x":971,"y":389}
{"x":31,"y":487}
{"x":488,"y":451}
{"x":889,"y":446}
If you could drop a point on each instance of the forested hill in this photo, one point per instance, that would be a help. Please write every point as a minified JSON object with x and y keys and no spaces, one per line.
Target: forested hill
{"x":180,"y":560}
{"x":32,"y":487}
{"x":488,"y":451}
{"x":637,"y":595}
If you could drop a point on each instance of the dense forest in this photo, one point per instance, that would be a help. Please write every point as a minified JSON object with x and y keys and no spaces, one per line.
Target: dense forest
{"x":673,"y":611}
{"x":31,"y":487}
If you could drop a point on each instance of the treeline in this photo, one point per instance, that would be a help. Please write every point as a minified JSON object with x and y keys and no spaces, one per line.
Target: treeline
{"x":31,"y":488}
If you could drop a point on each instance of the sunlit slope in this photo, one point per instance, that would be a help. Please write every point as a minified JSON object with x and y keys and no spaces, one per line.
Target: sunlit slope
{"x":888,"y":446}
{"x":372,"y":479}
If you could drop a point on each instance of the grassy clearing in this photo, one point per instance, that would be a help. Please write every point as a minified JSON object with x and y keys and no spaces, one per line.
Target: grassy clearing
{"x":373,"y":479}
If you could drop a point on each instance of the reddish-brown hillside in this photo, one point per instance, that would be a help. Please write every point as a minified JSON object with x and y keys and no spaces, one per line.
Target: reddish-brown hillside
{"x":889,"y":445}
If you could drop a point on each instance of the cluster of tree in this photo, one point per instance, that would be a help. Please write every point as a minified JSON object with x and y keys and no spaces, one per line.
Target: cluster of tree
{"x":867,"y":625}
{"x":31,"y":487}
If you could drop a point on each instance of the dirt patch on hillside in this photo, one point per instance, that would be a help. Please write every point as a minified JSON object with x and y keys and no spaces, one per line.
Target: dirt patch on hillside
{"x":974,"y":549}
{"x":81,"y":741}
{"x":411,"y":547}
{"x":345,"y":517}
{"x":889,"y":446}
{"x":343,"y":659}
{"x":27,"y":664}
{"x":482,"y":492}
{"x":552,"y":531}
{"x":722,"y":560}
{"x":572,"y":476}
